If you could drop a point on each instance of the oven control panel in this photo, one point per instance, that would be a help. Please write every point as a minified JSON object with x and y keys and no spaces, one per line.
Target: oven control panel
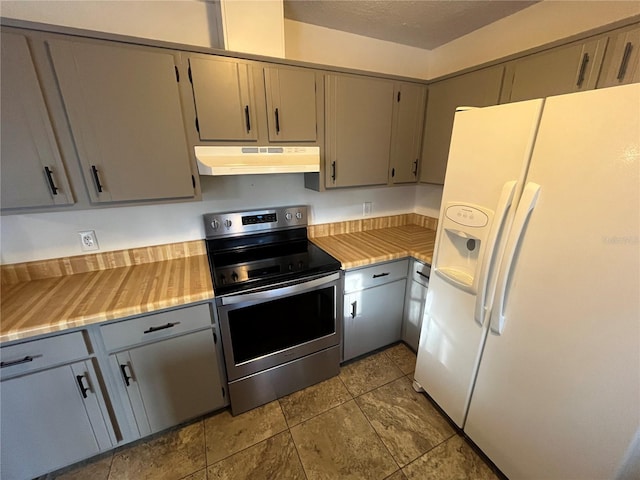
{"x":254,"y":221}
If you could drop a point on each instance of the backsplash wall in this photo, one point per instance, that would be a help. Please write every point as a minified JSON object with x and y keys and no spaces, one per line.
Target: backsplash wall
{"x":25,"y":238}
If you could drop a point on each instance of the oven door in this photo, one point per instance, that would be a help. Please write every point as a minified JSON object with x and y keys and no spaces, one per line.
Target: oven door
{"x":267,"y":328}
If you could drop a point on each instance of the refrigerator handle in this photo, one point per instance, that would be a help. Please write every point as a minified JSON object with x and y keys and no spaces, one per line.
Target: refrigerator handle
{"x":525,"y":207}
{"x":504,"y":203}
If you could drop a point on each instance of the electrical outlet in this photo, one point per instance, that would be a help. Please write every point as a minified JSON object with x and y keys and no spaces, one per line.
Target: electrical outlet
{"x":366,"y":209}
{"x":88,"y":241}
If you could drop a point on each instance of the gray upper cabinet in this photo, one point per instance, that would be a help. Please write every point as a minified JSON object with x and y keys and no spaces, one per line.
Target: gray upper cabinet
{"x":124,"y":109}
{"x":622,"y":61}
{"x":477,"y":89}
{"x":565,"y":69}
{"x":224,"y":98}
{"x":33,"y":174}
{"x":406,"y":136}
{"x":358,"y":112}
{"x":291,"y":104}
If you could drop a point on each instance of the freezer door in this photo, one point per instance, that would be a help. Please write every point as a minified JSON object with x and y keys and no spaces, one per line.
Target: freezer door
{"x":557,"y":394}
{"x":489,"y":154}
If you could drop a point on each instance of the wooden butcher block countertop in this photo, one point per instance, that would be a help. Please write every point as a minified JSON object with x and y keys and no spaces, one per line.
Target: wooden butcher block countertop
{"x":358,"y":249}
{"x":34,"y":305}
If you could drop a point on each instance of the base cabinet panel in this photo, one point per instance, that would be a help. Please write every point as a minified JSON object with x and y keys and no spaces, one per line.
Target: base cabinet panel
{"x":171,"y":381}
{"x":50,"y":419}
{"x":373,"y":318}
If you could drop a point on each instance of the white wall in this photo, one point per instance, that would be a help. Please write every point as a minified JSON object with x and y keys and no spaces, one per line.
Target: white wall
{"x":49,"y":235}
{"x":190,"y":22}
{"x":537,"y":25}
{"x":311,"y":43}
{"x":254,"y":26}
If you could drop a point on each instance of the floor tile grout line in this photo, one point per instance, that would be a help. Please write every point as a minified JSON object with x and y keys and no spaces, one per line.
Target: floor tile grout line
{"x":304,"y":471}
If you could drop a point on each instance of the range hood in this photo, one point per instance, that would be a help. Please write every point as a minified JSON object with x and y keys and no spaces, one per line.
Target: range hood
{"x":244,"y":160}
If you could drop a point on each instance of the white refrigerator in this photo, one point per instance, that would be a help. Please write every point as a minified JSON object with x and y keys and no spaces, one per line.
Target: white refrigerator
{"x":531,"y":335}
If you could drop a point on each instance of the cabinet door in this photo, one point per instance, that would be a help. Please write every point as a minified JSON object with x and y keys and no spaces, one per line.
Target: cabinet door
{"x":224,"y":99}
{"x":476,"y":89}
{"x":291,"y":104}
{"x":561,"y":70}
{"x":50,"y":419}
{"x":622,"y":60}
{"x":413,"y":313}
{"x":171,"y":381}
{"x":32,"y":171}
{"x":358,"y":134}
{"x":373,"y":318}
{"x":406,"y":136}
{"x":124,"y":109}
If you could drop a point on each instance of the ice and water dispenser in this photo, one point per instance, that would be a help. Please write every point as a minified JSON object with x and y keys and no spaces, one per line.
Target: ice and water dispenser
{"x":463,"y":235}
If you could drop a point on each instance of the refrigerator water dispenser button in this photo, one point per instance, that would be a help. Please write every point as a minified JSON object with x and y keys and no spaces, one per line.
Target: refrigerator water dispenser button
{"x":467,"y":216}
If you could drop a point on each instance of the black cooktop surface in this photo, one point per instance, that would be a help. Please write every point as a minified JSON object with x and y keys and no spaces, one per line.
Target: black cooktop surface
{"x":257,"y":261}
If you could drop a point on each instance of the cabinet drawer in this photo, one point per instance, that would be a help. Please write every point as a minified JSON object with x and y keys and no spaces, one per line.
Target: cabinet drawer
{"x":43,"y":353}
{"x":420,"y":272}
{"x":155,"y":326}
{"x":375,"y":275}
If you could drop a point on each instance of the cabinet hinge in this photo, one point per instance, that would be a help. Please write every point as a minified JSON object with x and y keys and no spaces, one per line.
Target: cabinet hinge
{"x":189,"y":73}
{"x":398,"y":96}
{"x":197,"y":125}
{"x":177,"y":74}
{"x":193,"y":182}
{"x":224,"y":394}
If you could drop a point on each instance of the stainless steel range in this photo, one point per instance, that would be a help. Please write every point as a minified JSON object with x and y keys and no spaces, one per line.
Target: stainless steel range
{"x":279,"y":303}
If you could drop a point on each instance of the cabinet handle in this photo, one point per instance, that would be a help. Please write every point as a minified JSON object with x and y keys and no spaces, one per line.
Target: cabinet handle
{"x":83,"y":389}
{"x":247,"y":118}
{"x":415,"y":168}
{"x":123,"y":369}
{"x":333,"y":171}
{"x":26,"y":359}
{"x":161,"y":327}
{"x":354,"y":307}
{"x":52,"y":185}
{"x":96,"y":178}
{"x":583,"y":69}
{"x":423,"y":275}
{"x":625,"y":61}
{"x":277,"y":121}
{"x":378,"y":275}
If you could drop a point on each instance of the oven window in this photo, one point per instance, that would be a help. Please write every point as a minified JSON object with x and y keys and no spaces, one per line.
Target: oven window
{"x":279,"y":324}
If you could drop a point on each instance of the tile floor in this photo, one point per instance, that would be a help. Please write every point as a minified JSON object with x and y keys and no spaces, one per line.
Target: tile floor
{"x":366,"y":423}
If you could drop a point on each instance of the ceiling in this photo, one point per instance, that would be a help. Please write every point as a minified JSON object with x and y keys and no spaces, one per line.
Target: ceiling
{"x":424,"y":24}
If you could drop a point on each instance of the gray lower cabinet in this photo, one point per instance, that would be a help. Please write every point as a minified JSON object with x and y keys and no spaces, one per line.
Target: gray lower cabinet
{"x":51,"y":416}
{"x":124,"y":109}
{"x":414,"y":302}
{"x":174,"y":376}
{"x":475,"y":89}
{"x":622,"y":61}
{"x":373,"y":307}
{"x":358,"y":113}
{"x":406,"y":135}
{"x":33,"y":174}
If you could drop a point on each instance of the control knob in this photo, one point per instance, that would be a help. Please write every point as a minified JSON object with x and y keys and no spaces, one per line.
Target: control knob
{"x":299,"y":215}
{"x":234,"y":277}
{"x":288,"y":216}
{"x":215,"y":224}
{"x":227,"y":223}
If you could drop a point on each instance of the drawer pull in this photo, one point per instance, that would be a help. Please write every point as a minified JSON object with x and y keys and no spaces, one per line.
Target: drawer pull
{"x":354,"y":307}
{"x":123,"y":369}
{"x":424,"y":275}
{"x":583,"y":69}
{"x":625,"y":61}
{"x":26,"y":359}
{"x":161,"y":327}
{"x":378,"y":275}
{"x":52,"y":185}
{"x":83,"y":389}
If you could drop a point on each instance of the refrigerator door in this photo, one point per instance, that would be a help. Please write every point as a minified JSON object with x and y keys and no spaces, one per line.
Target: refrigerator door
{"x":489,"y":155}
{"x":557,"y":394}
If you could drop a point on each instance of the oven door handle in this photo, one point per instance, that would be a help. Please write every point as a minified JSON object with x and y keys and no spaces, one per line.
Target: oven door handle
{"x":279,"y":292}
